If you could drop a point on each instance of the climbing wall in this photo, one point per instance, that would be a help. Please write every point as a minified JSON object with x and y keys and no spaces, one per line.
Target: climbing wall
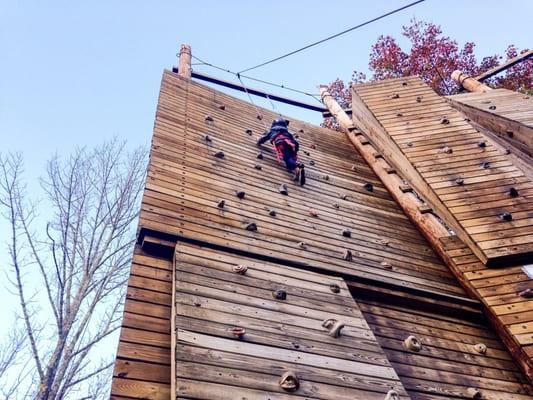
{"x":473,"y":185}
{"x":255,"y":330}
{"x":457,"y":357}
{"x":342,"y":221}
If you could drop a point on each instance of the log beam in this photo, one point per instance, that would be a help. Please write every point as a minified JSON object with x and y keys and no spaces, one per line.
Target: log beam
{"x":469,"y":83}
{"x":184,"y":64}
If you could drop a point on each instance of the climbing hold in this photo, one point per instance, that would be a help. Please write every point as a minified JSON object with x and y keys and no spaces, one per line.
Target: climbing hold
{"x":343,"y":196}
{"x":386,"y":265}
{"x":272,"y":213}
{"x":485,"y":164}
{"x":326,"y":177}
{"x":296,"y":135}
{"x":334,"y":288}
{"x":384,"y":242}
{"x":418,"y":99}
{"x":347,"y":255}
{"x":399,"y":114}
{"x":480,"y":348}
{"x":311,"y":162}
{"x":221,"y":204}
{"x":409,"y":144}
{"x":506,"y":216}
{"x":460,"y":181}
{"x":239,"y":269}
{"x":353,"y":167}
{"x":412,"y":343}
{"x":474,"y":393}
{"x":368,"y":187}
{"x":313,"y":146}
{"x":222,"y":107}
{"x":279,"y":294}
{"x":237,"y":331}
{"x":208,"y":118}
{"x":283,"y":189}
{"x":313,"y":212}
{"x":259,"y":117}
{"x":513,"y":192}
{"x":219,"y":154}
{"x":444,"y":120}
{"x":507,"y":151}
{"x":300,"y":130}
{"x":240,"y":194}
{"x":333,"y":326}
{"x":336,"y":205}
{"x":207,"y":138}
{"x":404,"y":83}
{"x":307,"y":153}
{"x":510,"y":133}
{"x":492,"y":108}
{"x":289,"y":381}
{"x":392,"y":395}
{"x":301,"y":245}
{"x":346,"y":233}
{"x":252,"y":226}
{"x":526,"y":293}
{"x":482,"y":144}
{"x":395,"y":96}
{"x":249,"y":132}
{"x":466,"y":119}
{"x":260,"y":156}
{"x":447,"y":150}
{"x":259,"y":167}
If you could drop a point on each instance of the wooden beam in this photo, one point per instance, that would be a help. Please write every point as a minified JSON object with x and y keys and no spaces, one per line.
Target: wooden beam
{"x":496,"y":70}
{"x":185,"y":61}
{"x":469,"y":83}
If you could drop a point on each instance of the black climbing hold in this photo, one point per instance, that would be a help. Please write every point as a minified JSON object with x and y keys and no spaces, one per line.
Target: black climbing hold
{"x":207,"y":138}
{"x":482,"y":144}
{"x":506,"y":216}
{"x":249,"y":132}
{"x":395,"y":96}
{"x":222,"y":107}
{"x":311,"y":162}
{"x":260,"y":156}
{"x":418,"y":99}
{"x":510,"y":133}
{"x":526,"y":293}
{"x":300,"y":130}
{"x":347,"y":255}
{"x":404,"y":83}
{"x":313,"y":146}
{"x":208,"y":118}
{"x":343,"y":196}
{"x":447,"y":150}
{"x":368,"y":187}
{"x":219,"y":154}
{"x":257,"y":166}
{"x":485,"y":164}
{"x":346,"y":233}
{"x":259,"y":117}
{"x":272,"y":213}
{"x":513,"y":192}
{"x":296,"y":136}
{"x":252,"y":226}
{"x":444,"y":120}
{"x":399,"y":114}
{"x":460,"y":181}
{"x":507,"y":151}
{"x":492,"y":108}
{"x":307,"y":153}
{"x":221,"y":204}
{"x":409,"y":144}
{"x":279,"y":294}
{"x":336,"y":205}
{"x":283,"y":189}
{"x":240,"y":194}
{"x":467,"y":119}
{"x":326,"y":177}
{"x":334,"y":288}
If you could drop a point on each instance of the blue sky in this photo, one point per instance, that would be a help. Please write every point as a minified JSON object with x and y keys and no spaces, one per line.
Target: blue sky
{"x":76,"y":73}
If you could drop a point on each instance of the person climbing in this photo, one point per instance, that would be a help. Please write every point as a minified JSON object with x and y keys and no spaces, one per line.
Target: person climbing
{"x":286,"y":147}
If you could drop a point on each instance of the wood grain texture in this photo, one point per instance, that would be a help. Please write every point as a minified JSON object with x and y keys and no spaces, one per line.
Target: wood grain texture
{"x":280,"y":334}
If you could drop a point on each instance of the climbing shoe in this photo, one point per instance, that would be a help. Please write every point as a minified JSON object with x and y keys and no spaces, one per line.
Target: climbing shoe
{"x":301,"y":170}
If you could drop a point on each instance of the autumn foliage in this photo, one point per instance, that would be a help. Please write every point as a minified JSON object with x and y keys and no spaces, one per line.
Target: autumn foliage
{"x":433,"y":57}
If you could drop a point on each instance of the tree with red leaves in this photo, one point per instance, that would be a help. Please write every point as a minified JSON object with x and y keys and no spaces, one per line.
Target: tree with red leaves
{"x":433,"y":57}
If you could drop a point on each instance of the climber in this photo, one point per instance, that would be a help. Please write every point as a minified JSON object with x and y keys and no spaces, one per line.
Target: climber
{"x":286,"y":147}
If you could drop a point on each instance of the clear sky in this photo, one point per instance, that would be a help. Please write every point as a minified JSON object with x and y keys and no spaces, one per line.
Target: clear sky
{"x":78,"y":72}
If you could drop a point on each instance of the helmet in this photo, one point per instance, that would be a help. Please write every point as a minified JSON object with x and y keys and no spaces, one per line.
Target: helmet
{"x":280,"y":123}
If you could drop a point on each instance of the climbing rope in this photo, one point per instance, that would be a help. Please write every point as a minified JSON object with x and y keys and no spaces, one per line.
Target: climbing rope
{"x":258,"y":110}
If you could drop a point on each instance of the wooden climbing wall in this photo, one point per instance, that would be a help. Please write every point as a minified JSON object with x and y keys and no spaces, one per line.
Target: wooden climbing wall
{"x":281,"y":311}
{"x":186,"y":182}
{"x":508,"y":113}
{"x":470,"y":179}
{"x":448,"y":365}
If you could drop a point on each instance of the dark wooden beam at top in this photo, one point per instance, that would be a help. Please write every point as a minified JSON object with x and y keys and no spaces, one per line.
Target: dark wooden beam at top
{"x":513,"y":61}
{"x":255,"y":92}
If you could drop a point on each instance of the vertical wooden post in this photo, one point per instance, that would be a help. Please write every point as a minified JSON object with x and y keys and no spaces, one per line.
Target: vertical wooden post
{"x":469,"y":83}
{"x":184,"y":65}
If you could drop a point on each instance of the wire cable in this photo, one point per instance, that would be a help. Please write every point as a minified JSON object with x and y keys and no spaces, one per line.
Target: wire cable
{"x":332,"y":36}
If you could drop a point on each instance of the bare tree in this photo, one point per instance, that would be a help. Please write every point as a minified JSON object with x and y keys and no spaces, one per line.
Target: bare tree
{"x":80,"y":256}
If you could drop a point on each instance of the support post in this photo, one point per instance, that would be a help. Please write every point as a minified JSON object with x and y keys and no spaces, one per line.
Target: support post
{"x":184,"y":62}
{"x":469,"y":83}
